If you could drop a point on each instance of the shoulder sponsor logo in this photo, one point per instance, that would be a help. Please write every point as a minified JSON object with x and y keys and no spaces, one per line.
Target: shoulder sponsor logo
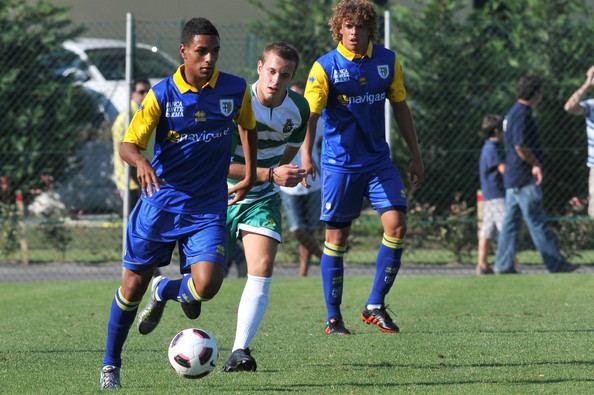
{"x":312,"y":78}
{"x":174,"y":109}
{"x":340,"y":75}
{"x":383,"y":70}
{"x":226,"y":106}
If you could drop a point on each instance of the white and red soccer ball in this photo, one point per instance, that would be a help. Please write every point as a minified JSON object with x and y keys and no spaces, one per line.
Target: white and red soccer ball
{"x":193,"y":353}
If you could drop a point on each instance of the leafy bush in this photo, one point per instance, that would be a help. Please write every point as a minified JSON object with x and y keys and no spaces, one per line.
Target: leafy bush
{"x":41,"y":112}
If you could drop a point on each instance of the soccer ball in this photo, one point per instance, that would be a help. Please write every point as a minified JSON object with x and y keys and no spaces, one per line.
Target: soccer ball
{"x":193,"y":353}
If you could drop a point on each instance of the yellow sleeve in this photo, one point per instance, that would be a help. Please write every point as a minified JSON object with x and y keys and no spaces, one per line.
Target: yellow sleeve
{"x":317,"y":89}
{"x":246,"y":118}
{"x":143,"y":123}
{"x":396,"y":90}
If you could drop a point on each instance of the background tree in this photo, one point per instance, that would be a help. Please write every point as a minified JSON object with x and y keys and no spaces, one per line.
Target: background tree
{"x":303,"y":24}
{"x":39,"y":131}
{"x":461,"y":64}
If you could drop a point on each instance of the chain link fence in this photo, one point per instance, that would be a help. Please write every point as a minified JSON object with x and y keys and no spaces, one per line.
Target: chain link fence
{"x":66,"y":208}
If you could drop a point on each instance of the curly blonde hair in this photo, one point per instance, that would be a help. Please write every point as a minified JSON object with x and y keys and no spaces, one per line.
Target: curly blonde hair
{"x":356,"y":11}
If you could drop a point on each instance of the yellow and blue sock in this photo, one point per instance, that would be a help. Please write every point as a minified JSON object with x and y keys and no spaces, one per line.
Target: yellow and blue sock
{"x":387,"y":265}
{"x":187,"y":291}
{"x":332,"y":270}
{"x":121,"y":317}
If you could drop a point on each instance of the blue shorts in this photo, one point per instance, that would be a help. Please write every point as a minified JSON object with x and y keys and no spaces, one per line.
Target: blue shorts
{"x":342,"y":193}
{"x":302,"y":211}
{"x":152,"y":234}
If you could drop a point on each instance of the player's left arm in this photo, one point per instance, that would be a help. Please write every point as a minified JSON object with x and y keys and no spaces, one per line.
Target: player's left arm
{"x":246,"y":125}
{"x":406,"y":125}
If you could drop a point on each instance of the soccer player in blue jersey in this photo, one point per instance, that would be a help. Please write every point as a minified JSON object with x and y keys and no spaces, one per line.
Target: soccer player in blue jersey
{"x":282,"y":117}
{"x":185,"y":193}
{"x":348,"y":87}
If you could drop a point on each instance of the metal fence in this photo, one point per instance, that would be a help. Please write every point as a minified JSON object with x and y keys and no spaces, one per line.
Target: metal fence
{"x":69,"y":209}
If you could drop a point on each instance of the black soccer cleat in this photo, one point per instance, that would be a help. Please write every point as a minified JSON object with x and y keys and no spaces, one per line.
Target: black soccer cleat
{"x":381,"y":318}
{"x":336,"y":327}
{"x":192,"y":310}
{"x":240,"y":360}
{"x":151,"y":315}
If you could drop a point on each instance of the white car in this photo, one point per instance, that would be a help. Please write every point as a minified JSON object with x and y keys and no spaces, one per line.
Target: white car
{"x":99,"y":65}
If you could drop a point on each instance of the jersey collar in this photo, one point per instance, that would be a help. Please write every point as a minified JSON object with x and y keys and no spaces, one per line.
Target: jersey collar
{"x":351,"y":55}
{"x":184,"y":87}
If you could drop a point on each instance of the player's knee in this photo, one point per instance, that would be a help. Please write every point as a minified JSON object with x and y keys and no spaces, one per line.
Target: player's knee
{"x":397,"y":230}
{"x":135,"y":284}
{"x":208,"y":286}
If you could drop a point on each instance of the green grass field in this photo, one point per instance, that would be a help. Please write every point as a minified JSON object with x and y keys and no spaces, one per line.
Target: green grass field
{"x":486,"y":335}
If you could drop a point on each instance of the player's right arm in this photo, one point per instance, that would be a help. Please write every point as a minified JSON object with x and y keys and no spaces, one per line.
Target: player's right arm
{"x":137,"y":137}
{"x":572,"y":105}
{"x":316,"y":94}
{"x":246,"y":126}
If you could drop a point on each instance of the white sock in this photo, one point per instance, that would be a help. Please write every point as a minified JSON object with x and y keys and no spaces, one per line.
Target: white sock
{"x":252,"y":307}
{"x":373,"y":306}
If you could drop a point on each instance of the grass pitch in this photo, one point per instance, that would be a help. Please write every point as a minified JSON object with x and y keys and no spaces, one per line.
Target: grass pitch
{"x":497,"y":334}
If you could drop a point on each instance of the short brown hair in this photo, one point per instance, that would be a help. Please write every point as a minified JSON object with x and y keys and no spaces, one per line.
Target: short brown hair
{"x":284,"y":50}
{"x":490,"y":124}
{"x":357,"y":11}
{"x":528,"y":86}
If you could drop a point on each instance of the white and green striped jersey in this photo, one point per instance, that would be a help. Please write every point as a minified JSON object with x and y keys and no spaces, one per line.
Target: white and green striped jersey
{"x":277,"y":127}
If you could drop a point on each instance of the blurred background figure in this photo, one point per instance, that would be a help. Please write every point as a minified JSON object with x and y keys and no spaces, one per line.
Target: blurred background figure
{"x":139,"y":91}
{"x":522,"y":180}
{"x":302,"y":205}
{"x":576,"y":106}
{"x":491,"y":169}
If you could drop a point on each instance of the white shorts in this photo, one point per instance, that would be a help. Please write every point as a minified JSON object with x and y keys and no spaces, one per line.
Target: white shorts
{"x":493,"y":213}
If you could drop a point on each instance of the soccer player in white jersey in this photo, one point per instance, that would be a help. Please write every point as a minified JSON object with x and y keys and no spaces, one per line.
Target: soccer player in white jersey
{"x":281,"y":121}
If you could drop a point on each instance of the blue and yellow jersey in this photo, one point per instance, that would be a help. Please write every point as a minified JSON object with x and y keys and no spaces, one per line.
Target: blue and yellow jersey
{"x":193,"y":139}
{"x":349,"y":91}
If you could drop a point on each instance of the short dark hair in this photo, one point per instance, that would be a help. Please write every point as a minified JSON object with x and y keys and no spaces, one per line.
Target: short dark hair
{"x":197,"y":27}
{"x":490,"y":124}
{"x":528,"y":86}
{"x":284,"y":50}
{"x":143,"y":81}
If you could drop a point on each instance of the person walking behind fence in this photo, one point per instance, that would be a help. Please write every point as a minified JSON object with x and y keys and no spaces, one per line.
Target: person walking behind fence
{"x":491,"y":169}
{"x":140,"y":88}
{"x":348,"y":87}
{"x":522,"y":179}
{"x":302,"y":206}
{"x":184,"y":190}
{"x":576,"y":106}
{"x":281,"y":116}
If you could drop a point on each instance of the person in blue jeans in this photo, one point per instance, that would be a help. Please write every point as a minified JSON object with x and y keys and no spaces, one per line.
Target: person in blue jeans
{"x":522,"y":179}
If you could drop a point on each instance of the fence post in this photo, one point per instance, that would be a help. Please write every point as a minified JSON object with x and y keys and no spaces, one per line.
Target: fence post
{"x":130,"y":44}
{"x":20,"y":206}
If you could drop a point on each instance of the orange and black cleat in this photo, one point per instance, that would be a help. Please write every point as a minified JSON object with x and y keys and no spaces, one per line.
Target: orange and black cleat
{"x":381,"y":318}
{"x":336,"y":327}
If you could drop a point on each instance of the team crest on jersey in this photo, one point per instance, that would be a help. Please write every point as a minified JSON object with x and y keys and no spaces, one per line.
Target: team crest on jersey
{"x":289,"y":126}
{"x":226,"y":106}
{"x":383,"y":70}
